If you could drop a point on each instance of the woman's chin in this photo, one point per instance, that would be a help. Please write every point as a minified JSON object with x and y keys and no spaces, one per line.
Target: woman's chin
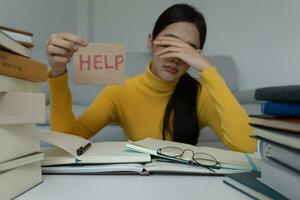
{"x":168,"y":77}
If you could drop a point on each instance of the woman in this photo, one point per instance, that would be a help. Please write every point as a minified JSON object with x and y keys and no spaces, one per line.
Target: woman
{"x":164,"y":102}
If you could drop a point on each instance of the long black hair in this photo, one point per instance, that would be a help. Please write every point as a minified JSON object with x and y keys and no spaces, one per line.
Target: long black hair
{"x":181,"y":109}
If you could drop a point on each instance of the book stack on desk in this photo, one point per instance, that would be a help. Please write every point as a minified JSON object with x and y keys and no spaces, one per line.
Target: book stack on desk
{"x":281,"y":101}
{"x":21,"y":107}
{"x":278,"y":143}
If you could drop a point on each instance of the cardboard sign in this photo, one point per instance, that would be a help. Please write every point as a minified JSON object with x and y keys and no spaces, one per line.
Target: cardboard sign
{"x":100,"y":63}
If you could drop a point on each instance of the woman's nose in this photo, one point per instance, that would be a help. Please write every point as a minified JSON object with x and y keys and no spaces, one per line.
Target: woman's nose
{"x":176,"y":61}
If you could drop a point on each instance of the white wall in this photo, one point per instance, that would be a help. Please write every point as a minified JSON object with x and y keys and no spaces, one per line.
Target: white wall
{"x":263,"y":36}
{"x":42,"y":17}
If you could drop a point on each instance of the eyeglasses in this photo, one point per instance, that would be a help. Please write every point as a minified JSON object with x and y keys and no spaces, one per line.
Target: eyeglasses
{"x":198,"y":158}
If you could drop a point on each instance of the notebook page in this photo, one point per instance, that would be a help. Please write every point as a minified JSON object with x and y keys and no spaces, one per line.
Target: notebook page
{"x":112,"y":152}
{"x":68,"y":142}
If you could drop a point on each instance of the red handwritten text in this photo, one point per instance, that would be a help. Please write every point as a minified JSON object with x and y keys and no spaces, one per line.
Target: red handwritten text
{"x":99,"y":62}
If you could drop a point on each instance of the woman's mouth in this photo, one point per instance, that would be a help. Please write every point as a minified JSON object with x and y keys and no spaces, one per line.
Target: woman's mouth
{"x":170,"y":69}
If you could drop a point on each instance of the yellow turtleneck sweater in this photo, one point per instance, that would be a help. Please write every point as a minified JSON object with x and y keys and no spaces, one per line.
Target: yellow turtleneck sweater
{"x":139,"y":105}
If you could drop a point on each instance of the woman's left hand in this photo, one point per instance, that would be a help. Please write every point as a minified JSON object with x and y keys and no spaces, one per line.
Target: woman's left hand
{"x":177,"y":48}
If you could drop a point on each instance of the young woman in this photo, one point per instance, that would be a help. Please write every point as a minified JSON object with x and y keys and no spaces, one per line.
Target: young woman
{"x":164,"y":102}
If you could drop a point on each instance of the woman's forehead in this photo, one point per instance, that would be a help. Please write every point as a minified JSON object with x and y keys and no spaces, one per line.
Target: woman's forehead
{"x":185,"y":31}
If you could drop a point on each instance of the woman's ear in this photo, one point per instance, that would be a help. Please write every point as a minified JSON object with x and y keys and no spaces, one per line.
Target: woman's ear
{"x":150,"y":42}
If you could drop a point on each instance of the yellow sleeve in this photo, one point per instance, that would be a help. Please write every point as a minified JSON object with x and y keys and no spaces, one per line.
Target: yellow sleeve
{"x":101,"y":112}
{"x":221,"y":111}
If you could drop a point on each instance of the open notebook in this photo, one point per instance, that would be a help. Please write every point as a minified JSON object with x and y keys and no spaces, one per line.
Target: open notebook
{"x":66,"y":145}
{"x":227,"y":159}
{"x":116,"y":158}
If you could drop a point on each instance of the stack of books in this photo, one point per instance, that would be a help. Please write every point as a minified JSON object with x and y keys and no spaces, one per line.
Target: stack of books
{"x":278,"y":144}
{"x":21,"y":107}
{"x":281,"y":101}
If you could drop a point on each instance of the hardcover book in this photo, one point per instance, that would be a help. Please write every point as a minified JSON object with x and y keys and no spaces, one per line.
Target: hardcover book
{"x":279,"y":123}
{"x":20,"y":175}
{"x":287,"y":93}
{"x":22,"y":108}
{"x":10,"y":84}
{"x":10,"y":44}
{"x":21,"y":67}
{"x":281,"y":109}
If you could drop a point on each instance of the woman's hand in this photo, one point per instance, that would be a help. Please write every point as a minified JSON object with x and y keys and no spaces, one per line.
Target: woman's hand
{"x":60,"y":49}
{"x":177,"y":48}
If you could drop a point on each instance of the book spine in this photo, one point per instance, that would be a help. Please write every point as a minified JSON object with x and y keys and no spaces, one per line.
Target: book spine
{"x":16,"y":181}
{"x":17,"y":141}
{"x":278,"y":93}
{"x":23,"y":32}
{"x":10,"y":84}
{"x":14,"y":46}
{"x":281,"y":109}
{"x":287,"y":139}
{"x":281,"y":178}
{"x":21,"y":67}
{"x":282,"y":154}
{"x":22,"y":108}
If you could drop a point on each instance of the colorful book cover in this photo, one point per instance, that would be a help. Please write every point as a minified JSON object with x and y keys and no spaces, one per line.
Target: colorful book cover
{"x":281,"y":109}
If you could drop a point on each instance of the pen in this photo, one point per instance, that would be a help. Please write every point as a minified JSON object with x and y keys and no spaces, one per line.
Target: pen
{"x":83,"y":149}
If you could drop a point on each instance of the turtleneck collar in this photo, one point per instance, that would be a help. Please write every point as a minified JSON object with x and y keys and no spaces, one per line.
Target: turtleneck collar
{"x":157,"y":83}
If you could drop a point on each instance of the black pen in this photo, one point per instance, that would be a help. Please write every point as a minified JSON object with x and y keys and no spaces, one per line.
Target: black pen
{"x":83,"y":149}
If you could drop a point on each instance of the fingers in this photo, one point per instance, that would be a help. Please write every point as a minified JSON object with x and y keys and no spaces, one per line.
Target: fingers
{"x":51,"y":49}
{"x":167,"y":41}
{"x":60,"y":49}
{"x":67,"y":41}
{"x":63,"y":44}
{"x":167,"y":50}
{"x":171,"y":55}
{"x":73,"y":38}
{"x":61,"y":59}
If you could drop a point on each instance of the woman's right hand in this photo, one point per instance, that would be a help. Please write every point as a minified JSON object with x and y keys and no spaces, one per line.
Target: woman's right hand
{"x":60,"y":49}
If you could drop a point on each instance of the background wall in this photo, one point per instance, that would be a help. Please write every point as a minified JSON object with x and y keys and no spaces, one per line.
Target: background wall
{"x":42,"y":17}
{"x":263,"y":36}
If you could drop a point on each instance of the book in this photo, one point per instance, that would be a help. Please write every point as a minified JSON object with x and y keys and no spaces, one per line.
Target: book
{"x":10,"y":84}
{"x":17,"y":141}
{"x":280,"y":153}
{"x":10,"y":44}
{"x":111,"y":158}
{"x":22,"y":108}
{"x":21,"y":36}
{"x":281,"y":137}
{"x":281,"y":109}
{"x":227,"y":159}
{"x":65,"y":152}
{"x":281,"y":178}
{"x":24,"y":160}
{"x":249,"y":184}
{"x":280,"y":123}
{"x":156,"y":166}
{"x":23,"y":176}
{"x":21,"y":67}
{"x":288,"y":93}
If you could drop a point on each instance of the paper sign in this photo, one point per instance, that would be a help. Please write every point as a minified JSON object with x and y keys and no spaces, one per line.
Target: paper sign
{"x":100,"y":63}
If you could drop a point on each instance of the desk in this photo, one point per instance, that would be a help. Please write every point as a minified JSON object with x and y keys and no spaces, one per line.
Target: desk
{"x":131,"y":187}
